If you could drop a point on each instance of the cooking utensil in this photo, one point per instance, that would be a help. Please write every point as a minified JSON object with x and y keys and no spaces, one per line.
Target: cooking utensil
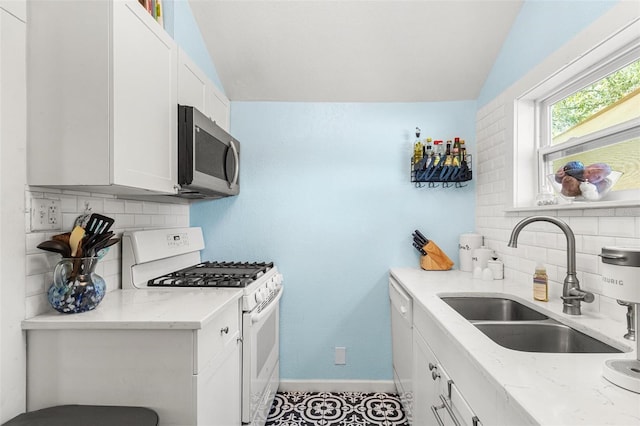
{"x":94,"y":241}
{"x":98,"y":224}
{"x":55,"y":247}
{"x":63,"y":238}
{"x":107,"y":243}
{"x":76,"y":239}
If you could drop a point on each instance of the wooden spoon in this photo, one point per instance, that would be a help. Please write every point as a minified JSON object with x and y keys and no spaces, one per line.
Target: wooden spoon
{"x":75,"y":239}
{"x":56,"y":247}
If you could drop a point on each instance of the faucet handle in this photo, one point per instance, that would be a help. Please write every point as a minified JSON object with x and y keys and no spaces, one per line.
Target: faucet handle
{"x":578,"y":294}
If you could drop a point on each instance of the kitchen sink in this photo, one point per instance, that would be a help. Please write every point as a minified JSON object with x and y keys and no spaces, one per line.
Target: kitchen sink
{"x":492,"y":309}
{"x":518,"y":327}
{"x":551,"y":337}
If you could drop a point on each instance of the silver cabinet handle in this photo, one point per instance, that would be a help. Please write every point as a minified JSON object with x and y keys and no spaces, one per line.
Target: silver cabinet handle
{"x":431,"y":366}
{"x":449,"y":410}
{"x":435,"y":375}
{"x":434,"y":410}
{"x":224,"y":330}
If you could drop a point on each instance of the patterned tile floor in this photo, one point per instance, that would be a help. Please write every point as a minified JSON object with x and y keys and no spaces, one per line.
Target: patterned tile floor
{"x":336,"y":409}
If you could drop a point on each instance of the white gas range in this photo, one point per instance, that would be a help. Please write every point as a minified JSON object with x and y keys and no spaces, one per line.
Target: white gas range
{"x":170,"y":259}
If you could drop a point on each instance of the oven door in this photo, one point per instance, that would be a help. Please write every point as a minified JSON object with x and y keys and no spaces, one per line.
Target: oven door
{"x":260,"y":361}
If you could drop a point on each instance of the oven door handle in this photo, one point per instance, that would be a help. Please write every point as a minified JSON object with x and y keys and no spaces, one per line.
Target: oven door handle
{"x":258,"y":316}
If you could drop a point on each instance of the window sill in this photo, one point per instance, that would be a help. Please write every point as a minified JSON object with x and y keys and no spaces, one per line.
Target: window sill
{"x":578,"y":205}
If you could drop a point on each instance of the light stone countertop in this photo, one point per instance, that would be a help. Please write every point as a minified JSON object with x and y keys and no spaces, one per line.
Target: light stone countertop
{"x":143,"y":309}
{"x":551,"y":389}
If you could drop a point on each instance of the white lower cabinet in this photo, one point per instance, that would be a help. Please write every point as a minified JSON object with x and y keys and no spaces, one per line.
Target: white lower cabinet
{"x":402,"y":343}
{"x":437,"y":398}
{"x":429,"y":394}
{"x":188,"y":376}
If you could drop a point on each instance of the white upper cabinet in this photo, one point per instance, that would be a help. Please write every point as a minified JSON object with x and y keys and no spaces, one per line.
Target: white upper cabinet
{"x":102,"y":98}
{"x":197,"y":90}
{"x":17,"y":8}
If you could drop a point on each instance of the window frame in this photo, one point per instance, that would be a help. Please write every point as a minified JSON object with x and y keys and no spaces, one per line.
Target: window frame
{"x":599,"y":59}
{"x":600,"y":138}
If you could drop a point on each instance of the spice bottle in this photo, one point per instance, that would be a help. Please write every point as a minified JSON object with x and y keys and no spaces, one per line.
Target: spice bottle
{"x":540,"y":284}
{"x":417,"y":148}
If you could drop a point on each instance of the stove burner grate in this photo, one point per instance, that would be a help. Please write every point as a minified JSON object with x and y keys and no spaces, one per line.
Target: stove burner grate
{"x":213,"y":274}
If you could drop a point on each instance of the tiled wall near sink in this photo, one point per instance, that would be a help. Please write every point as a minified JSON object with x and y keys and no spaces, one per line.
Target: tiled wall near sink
{"x":128,"y":215}
{"x":542,"y":242}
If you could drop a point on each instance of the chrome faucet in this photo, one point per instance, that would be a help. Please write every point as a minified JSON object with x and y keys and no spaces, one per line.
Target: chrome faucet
{"x":572,"y":295}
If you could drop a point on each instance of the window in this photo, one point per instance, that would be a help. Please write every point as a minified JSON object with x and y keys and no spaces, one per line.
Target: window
{"x":589,"y":131}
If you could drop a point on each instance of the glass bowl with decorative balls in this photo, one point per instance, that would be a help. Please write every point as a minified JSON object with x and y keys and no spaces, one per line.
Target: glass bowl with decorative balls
{"x":576,"y":182}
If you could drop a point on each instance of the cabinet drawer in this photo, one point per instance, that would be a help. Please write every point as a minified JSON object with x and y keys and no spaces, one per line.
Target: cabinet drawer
{"x":213,"y":339}
{"x":457,"y":410}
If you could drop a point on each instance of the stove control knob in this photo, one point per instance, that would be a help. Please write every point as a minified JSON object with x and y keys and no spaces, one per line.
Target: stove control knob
{"x":271,"y":285}
{"x":258,"y":296}
{"x":278,"y":279}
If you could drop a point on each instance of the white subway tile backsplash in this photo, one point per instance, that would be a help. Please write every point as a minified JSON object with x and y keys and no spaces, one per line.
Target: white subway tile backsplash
{"x":124,"y":221}
{"x":40,"y":263}
{"x":131,"y":206}
{"x":128,"y":215}
{"x":150,"y":208}
{"x":35,"y":284}
{"x":113,"y":206}
{"x":593,"y":244}
{"x":617,"y":226}
{"x":94,"y":203}
{"x":142,"y":220}
{"x":593,"y":227}
{"x":584,"y":225}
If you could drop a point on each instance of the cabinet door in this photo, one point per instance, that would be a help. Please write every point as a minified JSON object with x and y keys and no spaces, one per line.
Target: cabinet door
{"x":219,"y":390}
{"x":218,"y":107}
{"x":426,"y":382}
{"x":197,"y":90}
{"x":402,"y":345}
{"x":17,"y":8}
{"x":192,"y":83}
{"x":144,"y":125}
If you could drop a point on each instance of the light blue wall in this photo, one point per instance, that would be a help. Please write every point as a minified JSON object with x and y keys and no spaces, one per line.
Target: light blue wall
{"x":542,"y":26}
{"x":325,"y":194}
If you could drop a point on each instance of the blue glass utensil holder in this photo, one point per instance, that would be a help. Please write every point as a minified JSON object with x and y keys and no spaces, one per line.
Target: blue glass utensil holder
{"x":76,"y":287}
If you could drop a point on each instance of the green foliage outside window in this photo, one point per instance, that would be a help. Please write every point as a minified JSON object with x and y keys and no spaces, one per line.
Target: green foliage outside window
{"x":579,"y":107}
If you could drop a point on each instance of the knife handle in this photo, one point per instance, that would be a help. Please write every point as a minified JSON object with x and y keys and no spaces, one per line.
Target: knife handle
{"x":419,"y":234}
{"x":422,"y":252}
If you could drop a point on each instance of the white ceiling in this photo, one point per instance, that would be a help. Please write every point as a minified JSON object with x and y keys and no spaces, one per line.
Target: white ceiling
{"x":354,"y":50}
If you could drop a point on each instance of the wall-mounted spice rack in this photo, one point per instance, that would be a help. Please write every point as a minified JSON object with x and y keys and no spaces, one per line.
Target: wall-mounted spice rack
{"x":435,"y":162}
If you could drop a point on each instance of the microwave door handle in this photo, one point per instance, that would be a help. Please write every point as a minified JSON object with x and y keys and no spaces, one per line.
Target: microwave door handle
{"x":237,"y":164}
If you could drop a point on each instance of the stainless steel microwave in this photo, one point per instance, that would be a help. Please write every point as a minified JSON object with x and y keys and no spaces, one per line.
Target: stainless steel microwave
{"x":208,"y":157}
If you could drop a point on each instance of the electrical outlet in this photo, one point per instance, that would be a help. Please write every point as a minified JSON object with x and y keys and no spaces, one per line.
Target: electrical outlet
{"x":341,"y":355}
{"x":45,"y":214}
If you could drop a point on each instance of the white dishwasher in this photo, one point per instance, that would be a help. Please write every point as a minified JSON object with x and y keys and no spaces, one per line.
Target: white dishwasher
{"x":402,"y":341}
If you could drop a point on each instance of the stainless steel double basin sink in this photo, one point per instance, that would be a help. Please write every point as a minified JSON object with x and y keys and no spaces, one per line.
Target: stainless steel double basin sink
{"x":518,"y":327}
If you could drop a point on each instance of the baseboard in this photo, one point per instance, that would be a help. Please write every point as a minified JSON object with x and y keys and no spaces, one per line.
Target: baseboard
{"x":337,"y":386}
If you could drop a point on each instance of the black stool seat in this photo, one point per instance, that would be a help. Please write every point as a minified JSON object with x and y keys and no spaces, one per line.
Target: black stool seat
{"x":87,"y":415}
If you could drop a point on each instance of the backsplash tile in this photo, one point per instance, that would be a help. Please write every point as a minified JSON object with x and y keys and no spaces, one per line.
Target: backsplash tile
{"x":128,"y":215}
{"x":594,"y":228}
